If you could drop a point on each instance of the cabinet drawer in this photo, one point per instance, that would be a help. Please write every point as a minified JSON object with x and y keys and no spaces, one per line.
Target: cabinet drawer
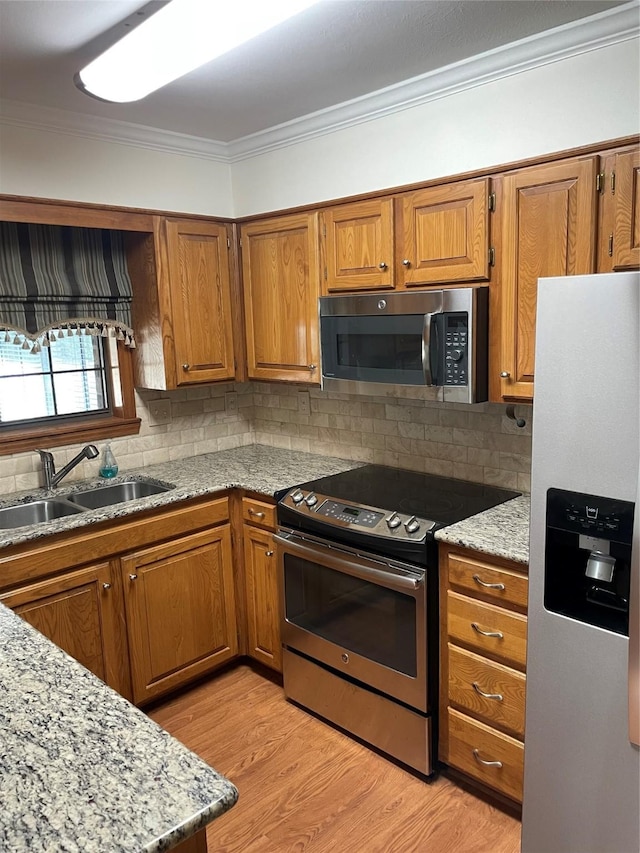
{"x":471,"y":675}
{"x":259,"y":512}
{"x":490,"y":630}
{"x":491,"y":582}
{"x":495,"y":759}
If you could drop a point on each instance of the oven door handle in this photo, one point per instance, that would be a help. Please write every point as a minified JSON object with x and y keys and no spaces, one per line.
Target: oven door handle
{"x":393,"y":581}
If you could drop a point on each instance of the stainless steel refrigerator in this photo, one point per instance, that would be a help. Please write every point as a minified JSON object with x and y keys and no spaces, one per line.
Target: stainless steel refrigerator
{"x":582,"y":728}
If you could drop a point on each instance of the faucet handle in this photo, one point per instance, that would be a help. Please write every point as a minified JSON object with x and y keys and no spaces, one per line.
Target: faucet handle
{"x":46,"y":456}
{"x":48,"y":468}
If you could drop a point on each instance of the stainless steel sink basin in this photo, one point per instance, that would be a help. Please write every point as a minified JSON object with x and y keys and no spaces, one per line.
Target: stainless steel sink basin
{"x":22,"y":515}
{"x":117,"y":493}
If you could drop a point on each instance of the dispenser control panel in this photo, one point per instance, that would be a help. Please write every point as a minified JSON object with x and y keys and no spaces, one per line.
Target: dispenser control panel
{"x":592,"y":515}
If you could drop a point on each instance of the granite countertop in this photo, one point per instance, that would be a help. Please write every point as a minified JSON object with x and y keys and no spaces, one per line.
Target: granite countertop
{"x":502,"y":531}
{"x":84,"y":771}
{"x":257,"y":468}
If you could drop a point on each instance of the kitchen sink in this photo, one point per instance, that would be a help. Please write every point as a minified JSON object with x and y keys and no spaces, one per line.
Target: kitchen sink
{"x":34,"y":512}
{"x":116,"y":493}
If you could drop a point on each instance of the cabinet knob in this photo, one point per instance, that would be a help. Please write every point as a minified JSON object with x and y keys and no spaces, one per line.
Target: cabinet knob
{"x":312,"y":367}
{"x":132,"y":577}
{"x":268,"y":553}
{"x":504,"y":374}
{"x":382,"y":265}
{"x":256,"y":513}
{"x":406,"y":262}
{"x":106,"y":586}
{"x":186,"y":366}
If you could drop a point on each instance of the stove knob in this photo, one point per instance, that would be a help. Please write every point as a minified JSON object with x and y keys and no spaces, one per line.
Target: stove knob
{"x":412,"y":525}
{"x":311,"y":500}
{"x":297,"y":496}
{"x":393,"y":521}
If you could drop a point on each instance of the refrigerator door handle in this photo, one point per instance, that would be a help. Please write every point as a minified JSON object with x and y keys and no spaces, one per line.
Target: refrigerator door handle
{"x":634,"y":629}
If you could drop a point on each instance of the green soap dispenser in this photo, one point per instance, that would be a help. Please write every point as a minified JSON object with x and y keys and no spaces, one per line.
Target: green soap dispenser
{"x":108,"y":464}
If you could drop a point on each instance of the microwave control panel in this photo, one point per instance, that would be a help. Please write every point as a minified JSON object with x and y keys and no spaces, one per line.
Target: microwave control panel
{"x":455,"y":331}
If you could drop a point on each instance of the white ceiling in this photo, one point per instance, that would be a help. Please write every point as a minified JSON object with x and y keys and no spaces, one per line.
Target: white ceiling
{"x":331,"y":53}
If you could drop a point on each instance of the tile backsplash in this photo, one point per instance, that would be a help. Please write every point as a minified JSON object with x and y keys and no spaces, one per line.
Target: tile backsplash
{"x":478,"y":443}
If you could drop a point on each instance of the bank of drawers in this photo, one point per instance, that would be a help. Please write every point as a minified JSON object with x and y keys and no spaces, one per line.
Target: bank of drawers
{"x":483,"y":661}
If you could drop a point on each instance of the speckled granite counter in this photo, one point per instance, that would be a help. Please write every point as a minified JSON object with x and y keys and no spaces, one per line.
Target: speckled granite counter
{"x":502,"y":531}
{"x":257,"y":468}
{"x":83,"y":770}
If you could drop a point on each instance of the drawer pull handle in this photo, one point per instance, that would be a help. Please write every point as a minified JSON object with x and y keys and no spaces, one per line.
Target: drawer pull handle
{"x":497,"y":696}
{"x":256,"y":513}
{"x":476,"y":755}
{"x":478,"y":630}
{"x":486,"y":585}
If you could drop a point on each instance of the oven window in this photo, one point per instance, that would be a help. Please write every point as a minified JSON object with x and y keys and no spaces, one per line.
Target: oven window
{"x":367,"y":619}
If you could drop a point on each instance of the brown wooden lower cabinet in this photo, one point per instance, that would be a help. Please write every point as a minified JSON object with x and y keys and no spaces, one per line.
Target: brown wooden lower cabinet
{"x":181,"y":612}
{"x":262,"y":597}
{"x":482,"y":667}
{"x":80,"y":612}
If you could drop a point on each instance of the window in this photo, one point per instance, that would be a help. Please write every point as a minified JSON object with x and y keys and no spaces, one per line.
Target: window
{"x":79,"y":388}
{"x":65,"y":379}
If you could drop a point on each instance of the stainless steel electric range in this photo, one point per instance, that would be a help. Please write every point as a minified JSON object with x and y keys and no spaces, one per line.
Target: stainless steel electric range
{"x":359,"y":579}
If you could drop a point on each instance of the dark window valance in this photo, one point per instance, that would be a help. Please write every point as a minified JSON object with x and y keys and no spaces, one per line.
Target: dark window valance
{"x":54,"y":276}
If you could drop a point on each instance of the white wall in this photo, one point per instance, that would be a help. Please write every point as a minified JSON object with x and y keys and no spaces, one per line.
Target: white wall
{"x":50,"y":164}
{"x":587,"y":98}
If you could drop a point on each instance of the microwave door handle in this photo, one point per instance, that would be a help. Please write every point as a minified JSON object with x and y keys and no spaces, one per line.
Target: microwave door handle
{"x":399,"y":583}
{"x":426,"y":349}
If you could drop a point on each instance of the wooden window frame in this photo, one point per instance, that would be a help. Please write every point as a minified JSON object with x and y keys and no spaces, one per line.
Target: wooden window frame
{"x":122,"y":420}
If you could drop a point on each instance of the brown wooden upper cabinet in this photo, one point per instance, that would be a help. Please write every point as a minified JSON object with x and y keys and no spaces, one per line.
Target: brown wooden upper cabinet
{"x":549,"y":229}
{"x":182,"y":305}
{"x":443,"y":234}
{"x":357,"y":246}
{"x":280,"y":266}
{"x":619,"y":228}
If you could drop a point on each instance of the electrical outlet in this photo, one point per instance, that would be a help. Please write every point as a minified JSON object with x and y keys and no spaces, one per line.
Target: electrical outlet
{"x":304,"y":403}
{"x":231,"y":401}
{"x":159,"y":412}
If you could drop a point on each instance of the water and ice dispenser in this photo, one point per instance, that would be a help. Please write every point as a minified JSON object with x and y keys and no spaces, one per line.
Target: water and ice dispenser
{"x":588,"y":557}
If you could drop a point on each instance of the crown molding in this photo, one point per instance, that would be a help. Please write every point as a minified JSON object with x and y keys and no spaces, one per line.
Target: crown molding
{"x":614,"y":26}
{"x":110,"y":130}
{"x":602,"y":30}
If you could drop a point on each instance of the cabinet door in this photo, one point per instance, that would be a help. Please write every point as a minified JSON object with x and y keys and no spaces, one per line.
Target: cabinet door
{"x":180,"y":606}
{"x":549,"y":216}
{"x":626,"y":229}
{"x":280,"y":264}
{"x":263,"y":600}
{"x":79,"y":612}
{"x":358,"y":246}
{"x":444,"y":234}
{"x":199,"y":287}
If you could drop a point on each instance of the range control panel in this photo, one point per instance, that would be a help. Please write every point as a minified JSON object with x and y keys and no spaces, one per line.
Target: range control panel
{"x":376,"y":522}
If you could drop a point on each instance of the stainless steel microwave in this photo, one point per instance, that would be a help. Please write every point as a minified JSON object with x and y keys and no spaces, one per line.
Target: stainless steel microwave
{"x":436,"y":339}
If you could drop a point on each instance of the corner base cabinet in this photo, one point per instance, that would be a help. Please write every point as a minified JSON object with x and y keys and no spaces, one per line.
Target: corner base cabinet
{"x":80,"y":612}
{"x":180,"y":606}
{"x":482,"y":668}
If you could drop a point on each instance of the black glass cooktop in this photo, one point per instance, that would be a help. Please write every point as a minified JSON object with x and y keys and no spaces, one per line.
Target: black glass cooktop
{"x":440,"y":499}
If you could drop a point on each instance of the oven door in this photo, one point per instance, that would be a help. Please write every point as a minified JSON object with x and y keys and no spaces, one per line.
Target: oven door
{"x":359,"y":614}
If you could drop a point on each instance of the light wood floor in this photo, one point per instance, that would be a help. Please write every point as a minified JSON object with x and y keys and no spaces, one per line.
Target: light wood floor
{"x":306,"y":787}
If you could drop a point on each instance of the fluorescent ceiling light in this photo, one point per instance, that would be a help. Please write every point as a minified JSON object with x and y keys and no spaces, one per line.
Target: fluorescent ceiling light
{"x":180,"y":37}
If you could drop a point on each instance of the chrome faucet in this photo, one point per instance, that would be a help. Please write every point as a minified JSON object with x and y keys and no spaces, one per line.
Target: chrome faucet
{"x":49,"y":476}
